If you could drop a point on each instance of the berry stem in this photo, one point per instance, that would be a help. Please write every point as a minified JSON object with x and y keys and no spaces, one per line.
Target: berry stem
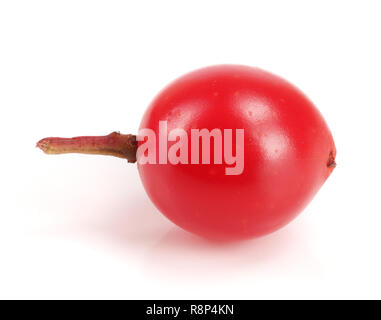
{"x":115,"y":144}
{"x":331,"y":160}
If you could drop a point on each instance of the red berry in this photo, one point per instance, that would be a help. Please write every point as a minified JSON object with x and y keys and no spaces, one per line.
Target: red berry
{"x":288,"y":152}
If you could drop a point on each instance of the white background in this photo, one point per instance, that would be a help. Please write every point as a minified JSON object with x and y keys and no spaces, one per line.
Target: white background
{"x":79,"y":226}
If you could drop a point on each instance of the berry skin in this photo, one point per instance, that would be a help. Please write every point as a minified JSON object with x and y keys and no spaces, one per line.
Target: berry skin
{"x":288,"y":152}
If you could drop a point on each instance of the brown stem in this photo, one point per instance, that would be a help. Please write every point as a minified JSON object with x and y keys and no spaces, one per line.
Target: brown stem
{"x":331,"y":161}
{"x":115,"y":144}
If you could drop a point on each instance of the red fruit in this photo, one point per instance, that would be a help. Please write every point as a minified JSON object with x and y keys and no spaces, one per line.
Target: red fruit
{"x":288,"y":152}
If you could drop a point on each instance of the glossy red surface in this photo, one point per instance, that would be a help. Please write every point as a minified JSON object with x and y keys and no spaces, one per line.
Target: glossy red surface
{"x":287,"y":149}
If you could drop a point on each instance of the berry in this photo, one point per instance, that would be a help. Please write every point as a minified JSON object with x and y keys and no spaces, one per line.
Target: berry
{"x":286,"y":155}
